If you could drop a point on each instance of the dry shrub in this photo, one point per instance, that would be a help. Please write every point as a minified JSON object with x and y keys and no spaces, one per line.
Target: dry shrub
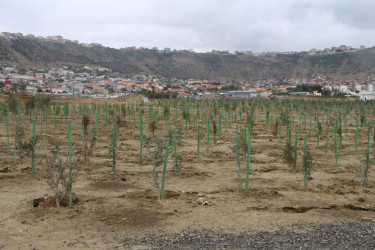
{"x":275,"y":128}
{"x":86,"y":121}
{"x":120,"y":122}
{"x":56,"y":172}
{"x":89,"y":145}
{"x":156,"y":153}
{"x":14,"y":101}
{"x":152,"y":126}
{"x":170,"y":135}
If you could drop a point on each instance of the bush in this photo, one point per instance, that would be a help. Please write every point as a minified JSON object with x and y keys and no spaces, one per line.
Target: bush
{"x":275,"y":128}
{"x":214,"y":127}
{"x":39,"y":100}
{"x":308,"y":161}
{"x":319,"y":128}
{"x":243,"y":144}
{"x":186,"y":115}
{"x":250,"y":117}
{"x":152,"y":126}
{"x":166,"y":111}
{"x":24,"y":145}
{"x":288,"y":153}
{"x":14,"y":102}
{"x":156,"y":148}
{"x":56,"y":172}
{"x":284,"y":117}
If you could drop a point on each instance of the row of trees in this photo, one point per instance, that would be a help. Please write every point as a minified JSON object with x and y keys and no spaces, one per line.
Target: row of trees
{"x":310,"y":89}
{"x":158,"y":95}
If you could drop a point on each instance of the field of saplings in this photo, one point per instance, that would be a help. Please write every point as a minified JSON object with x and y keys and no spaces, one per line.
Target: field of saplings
{"x":93,"y":168}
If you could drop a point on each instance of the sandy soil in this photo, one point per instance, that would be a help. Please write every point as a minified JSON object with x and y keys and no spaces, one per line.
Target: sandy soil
{"x":204,"y":195}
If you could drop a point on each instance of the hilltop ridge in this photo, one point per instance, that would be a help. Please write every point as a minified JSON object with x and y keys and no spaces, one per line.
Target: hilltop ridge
{"x":29,"y":51}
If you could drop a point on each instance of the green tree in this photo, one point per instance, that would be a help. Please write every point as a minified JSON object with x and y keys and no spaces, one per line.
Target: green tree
{"x":110,"y":89}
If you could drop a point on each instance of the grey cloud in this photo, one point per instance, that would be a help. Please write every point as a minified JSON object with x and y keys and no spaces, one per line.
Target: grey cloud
{"x":358,"y":14}
{"x":203,"y":25}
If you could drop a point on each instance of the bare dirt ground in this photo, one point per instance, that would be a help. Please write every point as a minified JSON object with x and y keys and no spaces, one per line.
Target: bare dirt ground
{"x":204,"y":195}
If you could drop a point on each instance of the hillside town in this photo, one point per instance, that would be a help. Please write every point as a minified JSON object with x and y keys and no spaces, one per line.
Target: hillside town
{"x":99,"y":82}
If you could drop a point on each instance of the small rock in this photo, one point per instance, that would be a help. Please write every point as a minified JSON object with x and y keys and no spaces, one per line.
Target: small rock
{"x":361,"y":200}
{"x":4,"y":170}
{"x":367,"y":219}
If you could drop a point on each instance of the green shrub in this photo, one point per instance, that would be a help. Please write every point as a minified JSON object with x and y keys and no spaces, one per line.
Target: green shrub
{"x":288,"y":153}
{"x":307,"y":162}
{"x":284,"y":117}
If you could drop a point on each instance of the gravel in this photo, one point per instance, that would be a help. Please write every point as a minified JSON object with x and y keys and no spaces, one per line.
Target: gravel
{"x":349,"y":235}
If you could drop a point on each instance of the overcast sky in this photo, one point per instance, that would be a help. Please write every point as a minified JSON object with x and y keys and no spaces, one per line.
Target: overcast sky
{"x":201,"y":25}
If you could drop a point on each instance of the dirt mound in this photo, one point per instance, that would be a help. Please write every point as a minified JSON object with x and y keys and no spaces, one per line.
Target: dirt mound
{"x":151,"y":195}
{"x":130,"y":218}
{"x":261,"y":193}
{"x":337,"y":189}
{"x":197,"y":174}
{"x":51,"y":202}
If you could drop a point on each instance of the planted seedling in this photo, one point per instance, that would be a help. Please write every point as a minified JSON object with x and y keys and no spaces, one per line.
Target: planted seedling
{"x":156,"y":146}
{"x":307,"y":164}
{"x":152,"y":126}
{"x":288,"y":153}
{"x":275,"y":128}
{"x":56,"y":171}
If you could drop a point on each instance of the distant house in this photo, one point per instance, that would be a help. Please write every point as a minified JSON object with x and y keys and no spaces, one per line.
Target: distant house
{"x":185,"y":95}
{"x":36,"y":80}
{"x":51,"y":83}
{"x":31,"y":90}
{"x":299,"y":93}
{"x":367,"y":97}
{"x":240,"y":94}
{"x":316,"y":93}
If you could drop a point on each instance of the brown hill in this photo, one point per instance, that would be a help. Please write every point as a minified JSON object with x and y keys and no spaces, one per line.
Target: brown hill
{"x":43,"y":53}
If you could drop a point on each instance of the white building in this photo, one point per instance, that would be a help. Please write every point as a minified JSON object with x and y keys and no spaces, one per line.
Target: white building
{"x":358,"y":87}
{"x":367,"y":96}
{"x":370,"y":88}
{"x":343,"y":88}
{"x":240,"y":94}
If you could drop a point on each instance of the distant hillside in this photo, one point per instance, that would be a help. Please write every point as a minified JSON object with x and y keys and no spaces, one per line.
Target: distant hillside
{"x":43,"y":53}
